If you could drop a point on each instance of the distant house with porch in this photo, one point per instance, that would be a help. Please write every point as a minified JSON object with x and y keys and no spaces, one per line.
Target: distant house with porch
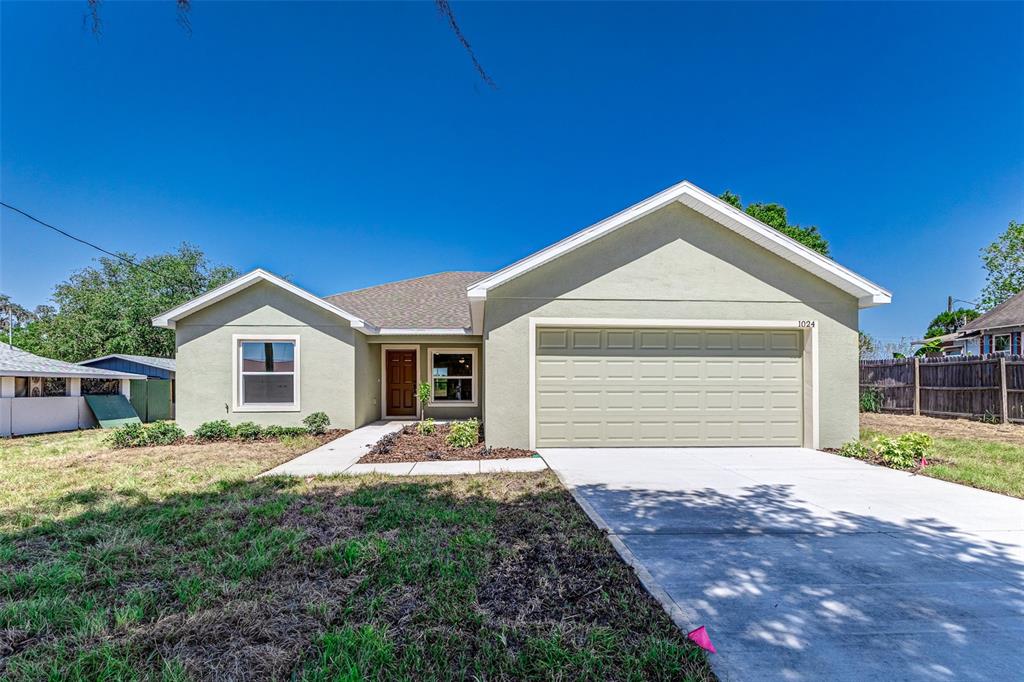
{"x":41,"y":395}
{"x":152,"y":398}
{"x":997,"y":331}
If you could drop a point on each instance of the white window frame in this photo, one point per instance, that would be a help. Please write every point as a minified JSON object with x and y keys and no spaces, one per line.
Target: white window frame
{"x":236,"y":367}
{"x":474,"y":378}
{"x":1009,"y":342}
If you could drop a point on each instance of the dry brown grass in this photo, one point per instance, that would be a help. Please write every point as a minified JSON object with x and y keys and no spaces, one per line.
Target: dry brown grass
{"x":896,"y":424}
{"x":57,"y":475}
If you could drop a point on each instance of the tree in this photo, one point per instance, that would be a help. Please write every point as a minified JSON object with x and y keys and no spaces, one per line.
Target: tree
{"x":867,"y":345}
{"x":1004,"y":260}
{"x":774,"y":215}
{"x":13,"y":314}
{"x":948,"y":322}
{"x":107,"y":308}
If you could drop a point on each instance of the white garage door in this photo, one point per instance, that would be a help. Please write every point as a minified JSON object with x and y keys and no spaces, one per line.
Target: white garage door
{"x":668,"y":387}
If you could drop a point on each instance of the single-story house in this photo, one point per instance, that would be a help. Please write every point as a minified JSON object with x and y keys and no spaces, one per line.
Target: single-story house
{"x":997,"y":331}
{"x":1000,"y":330}
{"x":152,"y":398}
{"x":678,"y":321}
{"x":41,"y":395}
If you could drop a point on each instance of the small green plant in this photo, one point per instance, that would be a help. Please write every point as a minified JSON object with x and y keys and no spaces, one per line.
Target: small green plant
{"x":871,"y":399}
{"x":220,"y":429}
{"x":423,"y":395}
{"x":317,"y":423}
{"x":856,"y":449}
{"x":164,"y":433}
{"x":248,"y":431}
{"x":903,"y":452}
{"x":463,"y":434}
{"x":426,"y":427}
{"x":128,"y":436}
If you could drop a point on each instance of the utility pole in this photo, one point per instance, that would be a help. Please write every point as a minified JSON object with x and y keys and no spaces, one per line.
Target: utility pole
{"x":949,"y":304}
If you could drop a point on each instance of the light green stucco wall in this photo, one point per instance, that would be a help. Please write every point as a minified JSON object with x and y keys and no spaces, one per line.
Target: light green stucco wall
{"x":205,"y":357}
{"x":672,"y":264}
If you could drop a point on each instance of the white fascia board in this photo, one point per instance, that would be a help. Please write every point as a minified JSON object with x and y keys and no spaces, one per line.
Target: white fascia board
{"x":423,"y":331}
{"x":169,"y":318}
{"x":867,"y":293}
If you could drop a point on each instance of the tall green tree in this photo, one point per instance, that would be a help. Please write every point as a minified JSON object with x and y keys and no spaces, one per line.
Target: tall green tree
{"x":12,"y":314}
{"x":107,"y":308}
{"x":774,"y":215}
{"x":948,"y":322}
{"x":1004,"y":261}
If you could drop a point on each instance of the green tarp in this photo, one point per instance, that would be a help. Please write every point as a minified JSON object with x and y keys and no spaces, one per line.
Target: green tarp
{"x":112,"y":410}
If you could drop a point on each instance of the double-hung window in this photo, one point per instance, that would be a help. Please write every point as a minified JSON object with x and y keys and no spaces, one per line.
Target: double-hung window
{"x":453,"y":376}
{"x":267,"y":370}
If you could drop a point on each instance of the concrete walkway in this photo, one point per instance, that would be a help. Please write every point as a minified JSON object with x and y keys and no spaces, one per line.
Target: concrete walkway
{"x":340,"y":457}
{"x":810,"y":566}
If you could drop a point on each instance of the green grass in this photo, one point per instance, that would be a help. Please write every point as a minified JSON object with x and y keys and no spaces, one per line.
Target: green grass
{"x":984,"y":464}
{"x":200,"y":573}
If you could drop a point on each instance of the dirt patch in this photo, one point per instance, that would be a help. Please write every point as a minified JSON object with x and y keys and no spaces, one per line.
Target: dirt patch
{"x":408,"y":445}
{"x":896,"y":424}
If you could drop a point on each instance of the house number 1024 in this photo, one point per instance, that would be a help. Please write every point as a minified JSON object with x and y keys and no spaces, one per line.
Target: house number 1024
{"x":806,"y":323}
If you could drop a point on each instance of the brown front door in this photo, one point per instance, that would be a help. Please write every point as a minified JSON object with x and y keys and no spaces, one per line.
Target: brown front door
{"x":401,"y":383}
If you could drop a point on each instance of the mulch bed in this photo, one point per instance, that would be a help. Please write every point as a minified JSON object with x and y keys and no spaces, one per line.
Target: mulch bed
{"x":409,"y":446}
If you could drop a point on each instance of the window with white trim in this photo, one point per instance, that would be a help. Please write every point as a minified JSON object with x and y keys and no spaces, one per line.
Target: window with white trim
{"x":1001,"y":343}
{"x":453,"y":376}
{"x":267,"y":373}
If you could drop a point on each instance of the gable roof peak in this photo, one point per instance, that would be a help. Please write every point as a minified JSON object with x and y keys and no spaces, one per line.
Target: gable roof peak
{"x":867,"y":293}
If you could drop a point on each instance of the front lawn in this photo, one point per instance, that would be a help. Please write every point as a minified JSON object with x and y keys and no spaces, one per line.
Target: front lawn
{"x":980,"y":455}
{"x":171,"y":563}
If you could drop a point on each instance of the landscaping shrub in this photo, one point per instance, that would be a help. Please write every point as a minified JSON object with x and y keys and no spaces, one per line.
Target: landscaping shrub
{"x":128,"y":436}
{"x":164,"y":433}
{"x":871,"y":400}
{"x":248,"y":431}
{"x":141,"y":435}
{"x":904,"y":452}
{"x":317,"y":423}
{"x":426,"y":427}
{"x":284,"y":431}
{"x":220,"y":429}
{"x":423,"y":394}
{"x":855,"y":449}
{"x":463,"y":434}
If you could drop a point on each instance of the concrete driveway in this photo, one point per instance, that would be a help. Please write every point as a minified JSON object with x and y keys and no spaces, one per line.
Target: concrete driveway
{"x":810,"y":566}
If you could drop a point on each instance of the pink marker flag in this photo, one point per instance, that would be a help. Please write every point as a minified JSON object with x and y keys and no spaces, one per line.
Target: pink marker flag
{"x":701,"y":639}
{"x":924,"y":462}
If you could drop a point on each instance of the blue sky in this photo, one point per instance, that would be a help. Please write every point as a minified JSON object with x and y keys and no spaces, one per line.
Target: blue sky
{"x":346,"y":145}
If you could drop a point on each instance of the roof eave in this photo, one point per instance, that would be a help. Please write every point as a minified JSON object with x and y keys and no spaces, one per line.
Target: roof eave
{"x":169,"y":319}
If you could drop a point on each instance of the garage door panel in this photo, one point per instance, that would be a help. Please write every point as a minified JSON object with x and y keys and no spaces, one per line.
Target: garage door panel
{"x":668,"y":387}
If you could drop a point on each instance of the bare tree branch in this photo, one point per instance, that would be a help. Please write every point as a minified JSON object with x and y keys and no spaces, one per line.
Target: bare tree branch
{"x":184,"y":20}
{"x":445,"y":9}
{"x":94,"y":12}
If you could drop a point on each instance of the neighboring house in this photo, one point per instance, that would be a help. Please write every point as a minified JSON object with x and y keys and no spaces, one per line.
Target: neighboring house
{"x":998,"y":330}
{"x":152,"y":398}
{"x":678,"y":321}
{"x":40,"y":395}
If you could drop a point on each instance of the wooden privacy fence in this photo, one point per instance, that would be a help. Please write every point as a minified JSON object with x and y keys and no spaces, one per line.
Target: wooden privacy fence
{"x":989,"y":387}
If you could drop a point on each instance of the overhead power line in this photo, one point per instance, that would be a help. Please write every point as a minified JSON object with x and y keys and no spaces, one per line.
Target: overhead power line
{"x":129,"y":261}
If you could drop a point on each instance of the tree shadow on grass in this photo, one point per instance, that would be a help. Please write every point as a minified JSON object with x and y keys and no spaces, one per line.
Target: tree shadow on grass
{"x":791,"y":591}
{"x":497,"y":577}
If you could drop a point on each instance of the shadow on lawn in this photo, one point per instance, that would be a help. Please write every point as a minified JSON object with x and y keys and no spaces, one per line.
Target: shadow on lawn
{"x":792,"y":592}
{"x":499,"y":577}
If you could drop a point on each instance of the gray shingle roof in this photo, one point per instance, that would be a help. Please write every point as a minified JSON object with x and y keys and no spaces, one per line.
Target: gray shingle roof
{"x":17,"y":362}
{"x":162,"y":363}
{"x":431,"y":302}
{"x":1009,"y":313}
